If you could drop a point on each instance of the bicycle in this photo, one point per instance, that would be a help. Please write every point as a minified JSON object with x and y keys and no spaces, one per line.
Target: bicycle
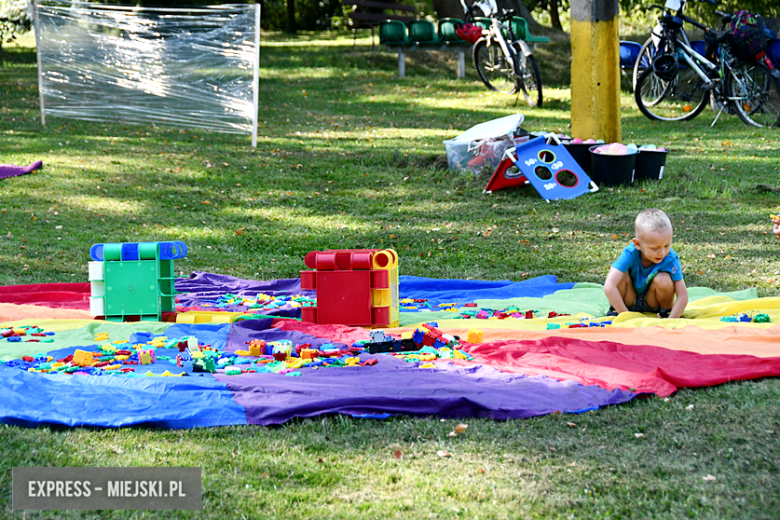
{"x":504,"y":63}
{"x":649,"y":48}
{"x":679,"y":82}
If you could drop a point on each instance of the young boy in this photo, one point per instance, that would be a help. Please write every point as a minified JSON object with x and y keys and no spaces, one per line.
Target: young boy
{"x":648,"y":275}
{"x":776,"y":225}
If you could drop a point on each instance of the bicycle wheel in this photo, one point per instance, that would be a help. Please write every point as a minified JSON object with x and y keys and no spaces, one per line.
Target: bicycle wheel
{"x":494,"y":69}
{"x":530,"y":79}
{"x":755,"y":94}
{"x":643,"y":61}
{"x":680,"y":99}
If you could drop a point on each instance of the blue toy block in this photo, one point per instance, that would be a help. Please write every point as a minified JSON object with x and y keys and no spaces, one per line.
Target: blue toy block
{"x":551,"y":169}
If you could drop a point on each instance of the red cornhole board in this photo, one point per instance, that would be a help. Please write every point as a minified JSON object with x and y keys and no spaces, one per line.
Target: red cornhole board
{"x":506,"y":175}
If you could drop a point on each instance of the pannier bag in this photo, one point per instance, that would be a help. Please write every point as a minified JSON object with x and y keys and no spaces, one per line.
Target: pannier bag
{"x":749,"y":33}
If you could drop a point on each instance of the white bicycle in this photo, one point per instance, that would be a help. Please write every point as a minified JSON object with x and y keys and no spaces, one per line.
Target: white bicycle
{"x":504,"y":62}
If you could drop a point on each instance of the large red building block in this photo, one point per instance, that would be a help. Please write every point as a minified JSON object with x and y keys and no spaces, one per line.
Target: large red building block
{"x":357,"y":287}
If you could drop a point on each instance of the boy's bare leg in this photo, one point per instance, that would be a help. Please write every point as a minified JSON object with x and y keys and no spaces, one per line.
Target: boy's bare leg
{"x":627,"y":291}
{"x":661,"y":292}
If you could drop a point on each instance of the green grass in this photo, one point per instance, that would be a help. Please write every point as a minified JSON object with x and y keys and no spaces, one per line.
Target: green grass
{"x":349,"y":157}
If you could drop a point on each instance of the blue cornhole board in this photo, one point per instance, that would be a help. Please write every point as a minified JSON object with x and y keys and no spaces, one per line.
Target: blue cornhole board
{"x":546,"y":165}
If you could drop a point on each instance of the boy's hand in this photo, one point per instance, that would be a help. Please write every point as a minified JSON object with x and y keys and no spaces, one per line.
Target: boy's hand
{"x":776,"y":225}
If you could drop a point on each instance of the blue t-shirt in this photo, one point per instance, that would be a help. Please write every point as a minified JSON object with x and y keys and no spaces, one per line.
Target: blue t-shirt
{"x":630,"y":262}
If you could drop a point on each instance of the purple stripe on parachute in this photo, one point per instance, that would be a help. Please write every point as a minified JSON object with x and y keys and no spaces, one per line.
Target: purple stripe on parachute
{"x":396,"y":387}
{"x":202,"y":286}
{"x":247,"y":330}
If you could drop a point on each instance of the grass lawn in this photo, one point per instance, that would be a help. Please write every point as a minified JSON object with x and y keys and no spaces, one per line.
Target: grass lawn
{"x":349,"y":157}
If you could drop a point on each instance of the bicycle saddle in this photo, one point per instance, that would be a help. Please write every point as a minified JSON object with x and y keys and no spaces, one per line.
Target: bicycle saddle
{"x":722,"y":36}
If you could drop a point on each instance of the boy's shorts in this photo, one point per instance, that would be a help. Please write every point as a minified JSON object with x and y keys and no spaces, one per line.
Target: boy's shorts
{"x":641,"y":305}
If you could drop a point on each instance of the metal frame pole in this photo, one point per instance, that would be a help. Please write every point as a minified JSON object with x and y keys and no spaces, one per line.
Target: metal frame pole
{"x":36,"y":23}
{"x":256,"y":80}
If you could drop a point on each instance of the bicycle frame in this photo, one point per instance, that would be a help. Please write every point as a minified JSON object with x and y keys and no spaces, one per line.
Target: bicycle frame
{"x":694,"y":65}
{"x":495,"y":34}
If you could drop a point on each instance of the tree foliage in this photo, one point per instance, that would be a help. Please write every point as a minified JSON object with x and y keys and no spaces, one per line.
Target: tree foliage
{"x":14,"y":19}
{"x":705,"y":12}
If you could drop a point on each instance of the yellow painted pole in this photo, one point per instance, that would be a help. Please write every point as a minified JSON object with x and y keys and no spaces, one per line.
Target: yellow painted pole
{"x":595,"y":72}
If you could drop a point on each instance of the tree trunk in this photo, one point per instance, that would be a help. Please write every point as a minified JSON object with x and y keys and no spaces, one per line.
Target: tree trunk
{"x":291,"y":16}
{"x":554,"y":18}
{"x":449,"y":9}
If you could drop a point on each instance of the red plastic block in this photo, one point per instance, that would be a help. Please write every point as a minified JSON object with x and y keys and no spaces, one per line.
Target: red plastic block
{"x":354,"y":287}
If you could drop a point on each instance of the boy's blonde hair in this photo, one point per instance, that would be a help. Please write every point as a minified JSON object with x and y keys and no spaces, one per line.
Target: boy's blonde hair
{"x":652,"y":219}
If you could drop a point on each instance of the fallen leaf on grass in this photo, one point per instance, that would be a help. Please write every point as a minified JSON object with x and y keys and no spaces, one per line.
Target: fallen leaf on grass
{"x":689,"y":407}
{"x":461,"y":428}
{"x":398,"y":454}
{"x":443,"y":453}
{"x":481,"y":470}
{"x":571,"y":424}
{"x":639,"y":435}
{"x":709,"y":478}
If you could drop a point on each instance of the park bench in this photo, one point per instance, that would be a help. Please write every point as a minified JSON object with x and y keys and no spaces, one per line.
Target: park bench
{"x":426,"y":35}
{"x":423,"y":35}
{"x":369,"y":14}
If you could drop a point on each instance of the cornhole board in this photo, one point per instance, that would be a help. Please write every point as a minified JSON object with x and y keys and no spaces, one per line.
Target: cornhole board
{"x":548,"y":167}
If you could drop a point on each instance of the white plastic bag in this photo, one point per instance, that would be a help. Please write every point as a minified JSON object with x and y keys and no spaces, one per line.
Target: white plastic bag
{"x":482,"y":145}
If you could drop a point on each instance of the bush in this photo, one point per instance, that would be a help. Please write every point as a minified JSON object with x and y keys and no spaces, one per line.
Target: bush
{"x":310,"y":15}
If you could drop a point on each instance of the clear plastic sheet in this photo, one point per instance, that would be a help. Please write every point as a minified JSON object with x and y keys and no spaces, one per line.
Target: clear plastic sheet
{"x":183,"y":67}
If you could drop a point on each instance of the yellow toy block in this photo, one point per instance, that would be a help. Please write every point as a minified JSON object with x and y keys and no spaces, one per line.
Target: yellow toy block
{"x":475,"y":336}
{"x":458,"y":354}
{"x":83,"y":358}
{"x":146,"y":357}
{"x":257,"y":348}
{"x":101,"y":336}
{"x":211,"y":317}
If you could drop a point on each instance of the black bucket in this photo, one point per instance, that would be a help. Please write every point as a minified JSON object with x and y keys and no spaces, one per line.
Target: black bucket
{"x":612,"y":170}
{"x":581,"y":153}
{"x":650,"y":164}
